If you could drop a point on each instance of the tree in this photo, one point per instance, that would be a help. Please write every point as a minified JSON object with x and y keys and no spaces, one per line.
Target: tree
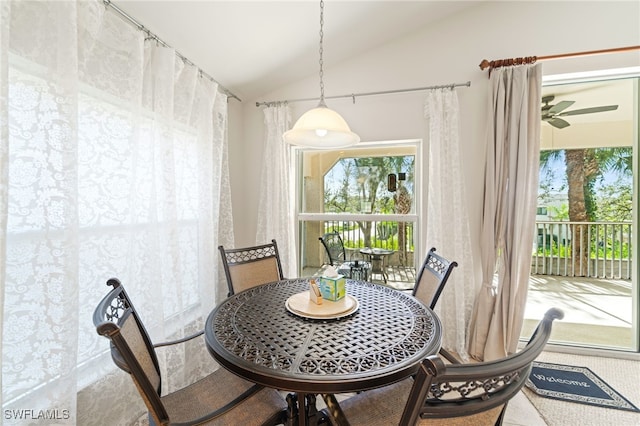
{"x":559,"y":213}
{"x":370,"y":175}
{"x":583,"y":167}
{"x":355,"y":183}
{"x":615,"y":202}
{"x":403,"y":204}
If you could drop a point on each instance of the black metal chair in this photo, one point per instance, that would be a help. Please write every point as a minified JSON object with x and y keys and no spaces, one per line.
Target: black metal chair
{"x":221,"y":398}
{"x":336,"y":253}
{"x":251,"y":266}
{"x":432,"y":278}
{"x":454,"y":394}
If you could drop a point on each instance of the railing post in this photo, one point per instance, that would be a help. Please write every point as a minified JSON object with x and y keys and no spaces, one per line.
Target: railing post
{"x":600,"y":244}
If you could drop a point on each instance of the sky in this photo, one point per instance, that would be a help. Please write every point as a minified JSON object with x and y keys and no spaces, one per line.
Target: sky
{"x":559,"y":176}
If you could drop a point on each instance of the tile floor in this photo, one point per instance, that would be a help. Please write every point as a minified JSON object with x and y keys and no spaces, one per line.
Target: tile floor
{"x":520,"y":412}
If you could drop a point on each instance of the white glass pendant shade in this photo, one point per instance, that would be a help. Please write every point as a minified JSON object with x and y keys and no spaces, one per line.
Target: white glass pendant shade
{"x":321,"y":128}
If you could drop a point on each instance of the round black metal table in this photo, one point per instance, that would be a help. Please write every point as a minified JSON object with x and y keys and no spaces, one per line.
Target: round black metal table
{"x":377,"y":259}
{"x":254,"y":335}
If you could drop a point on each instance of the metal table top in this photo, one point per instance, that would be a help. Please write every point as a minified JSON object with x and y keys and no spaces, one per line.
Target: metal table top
{"x":376,"y":252}
{"x":254,"y":335}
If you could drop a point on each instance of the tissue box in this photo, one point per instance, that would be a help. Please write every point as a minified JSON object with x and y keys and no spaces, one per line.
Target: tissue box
{"x":332,"y":288}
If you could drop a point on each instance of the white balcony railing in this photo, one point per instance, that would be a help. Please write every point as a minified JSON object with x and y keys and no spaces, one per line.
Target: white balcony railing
{"x":571,"y":249}
{"x":583,"y":249}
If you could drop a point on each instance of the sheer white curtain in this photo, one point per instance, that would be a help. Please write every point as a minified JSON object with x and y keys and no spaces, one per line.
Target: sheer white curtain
{"x":447,"y":222}
{"x":112,"y":165}
{"x":511,"y":189}
{"x":276,"y":216}
{"x":4,"y":156}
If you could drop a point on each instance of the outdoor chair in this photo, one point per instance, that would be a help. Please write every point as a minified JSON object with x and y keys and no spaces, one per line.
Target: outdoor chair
{"x":221,"y":398}
{"x":432,"y":278}
{"x":447,"y":394}
{"x":336,"y":253}
{"x":251,"y":266}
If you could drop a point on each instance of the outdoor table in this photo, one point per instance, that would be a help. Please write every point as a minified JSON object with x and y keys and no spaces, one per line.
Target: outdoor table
{"x":355,"y":269}
{"x":377,"y":257}
{"x":255,"y":336}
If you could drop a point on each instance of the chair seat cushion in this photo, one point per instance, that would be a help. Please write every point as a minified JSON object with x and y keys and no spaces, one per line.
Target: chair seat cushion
{"x":384,"y":406}
{"x":486,"y":418}
{"x":216,"y":390}
{"x":378,"y":407}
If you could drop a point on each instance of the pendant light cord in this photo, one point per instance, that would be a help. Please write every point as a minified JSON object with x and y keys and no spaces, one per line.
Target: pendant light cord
{"x":321,"y":52}
{"x":352,"y":95}
{"x":321,"y":127}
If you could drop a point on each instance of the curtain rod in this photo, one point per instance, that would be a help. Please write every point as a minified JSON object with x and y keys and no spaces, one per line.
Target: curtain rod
{"x":532,"y":59}
{"x":153,"y":36}
{"x":353,"y":95}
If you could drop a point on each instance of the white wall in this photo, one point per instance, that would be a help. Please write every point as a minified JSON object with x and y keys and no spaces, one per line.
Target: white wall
{"x":449,"y":52}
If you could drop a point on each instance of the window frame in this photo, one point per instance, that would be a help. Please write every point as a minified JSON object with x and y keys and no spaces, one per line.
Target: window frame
{"x":300,"y":217}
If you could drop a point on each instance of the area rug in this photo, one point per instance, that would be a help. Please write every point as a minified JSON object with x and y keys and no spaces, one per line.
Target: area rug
{"x":575,"y":384}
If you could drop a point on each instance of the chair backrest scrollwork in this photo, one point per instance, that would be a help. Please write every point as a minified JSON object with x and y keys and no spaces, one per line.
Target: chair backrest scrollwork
{"x":460,"y":390}
{"x":250,"y":266}
{"x":432,"y":278}
{"x":131,"y":349}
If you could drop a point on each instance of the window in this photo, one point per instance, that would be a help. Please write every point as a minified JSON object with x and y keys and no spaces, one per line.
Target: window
{"x":112,"y":229}
{"x":367,"y":194}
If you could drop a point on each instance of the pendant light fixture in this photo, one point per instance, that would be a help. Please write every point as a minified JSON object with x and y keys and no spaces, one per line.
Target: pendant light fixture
{"x":321,"y":127}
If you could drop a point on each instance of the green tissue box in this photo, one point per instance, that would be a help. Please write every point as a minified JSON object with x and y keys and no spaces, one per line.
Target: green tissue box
{"x":332,"y":288}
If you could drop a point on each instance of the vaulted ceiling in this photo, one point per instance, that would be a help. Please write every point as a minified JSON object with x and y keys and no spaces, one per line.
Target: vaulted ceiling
{"x":255,"y":47}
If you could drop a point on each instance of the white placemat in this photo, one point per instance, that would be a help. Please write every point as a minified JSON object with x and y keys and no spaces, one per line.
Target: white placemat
{"x":301,"y":304}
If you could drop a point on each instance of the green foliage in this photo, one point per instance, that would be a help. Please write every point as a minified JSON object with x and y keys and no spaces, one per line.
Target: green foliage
{"x":559,"y":213}
{"x":359,"y":185}
{"x":354,"y":182}
{"x":619,"y":159}
{"x":610,"y":251}
{"x":615,"y":203}
{"x":386,"y":235}
{"x":602,"y":202}
{"x":612,"y":243}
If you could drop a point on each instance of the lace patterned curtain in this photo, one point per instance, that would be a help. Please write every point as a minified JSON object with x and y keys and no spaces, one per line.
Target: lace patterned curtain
{"x":447,"y":221}
{"x":276,"y":218}
{"x":112,"y":164}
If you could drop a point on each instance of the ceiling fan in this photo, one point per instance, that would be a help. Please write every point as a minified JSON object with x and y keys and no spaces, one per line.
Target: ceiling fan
{"x":552,"y":113}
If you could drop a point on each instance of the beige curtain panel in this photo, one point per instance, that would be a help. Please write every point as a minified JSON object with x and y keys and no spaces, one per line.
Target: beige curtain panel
{"x":511,"y":185}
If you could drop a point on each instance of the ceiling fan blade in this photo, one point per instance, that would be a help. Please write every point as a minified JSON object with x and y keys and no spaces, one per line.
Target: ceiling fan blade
{"x":590,"y":110}
{"x":560,"y":106}
{"x":558,"y":123}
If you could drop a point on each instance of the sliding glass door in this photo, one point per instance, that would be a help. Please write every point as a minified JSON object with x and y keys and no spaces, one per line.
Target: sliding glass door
{"x":584,"y":255}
